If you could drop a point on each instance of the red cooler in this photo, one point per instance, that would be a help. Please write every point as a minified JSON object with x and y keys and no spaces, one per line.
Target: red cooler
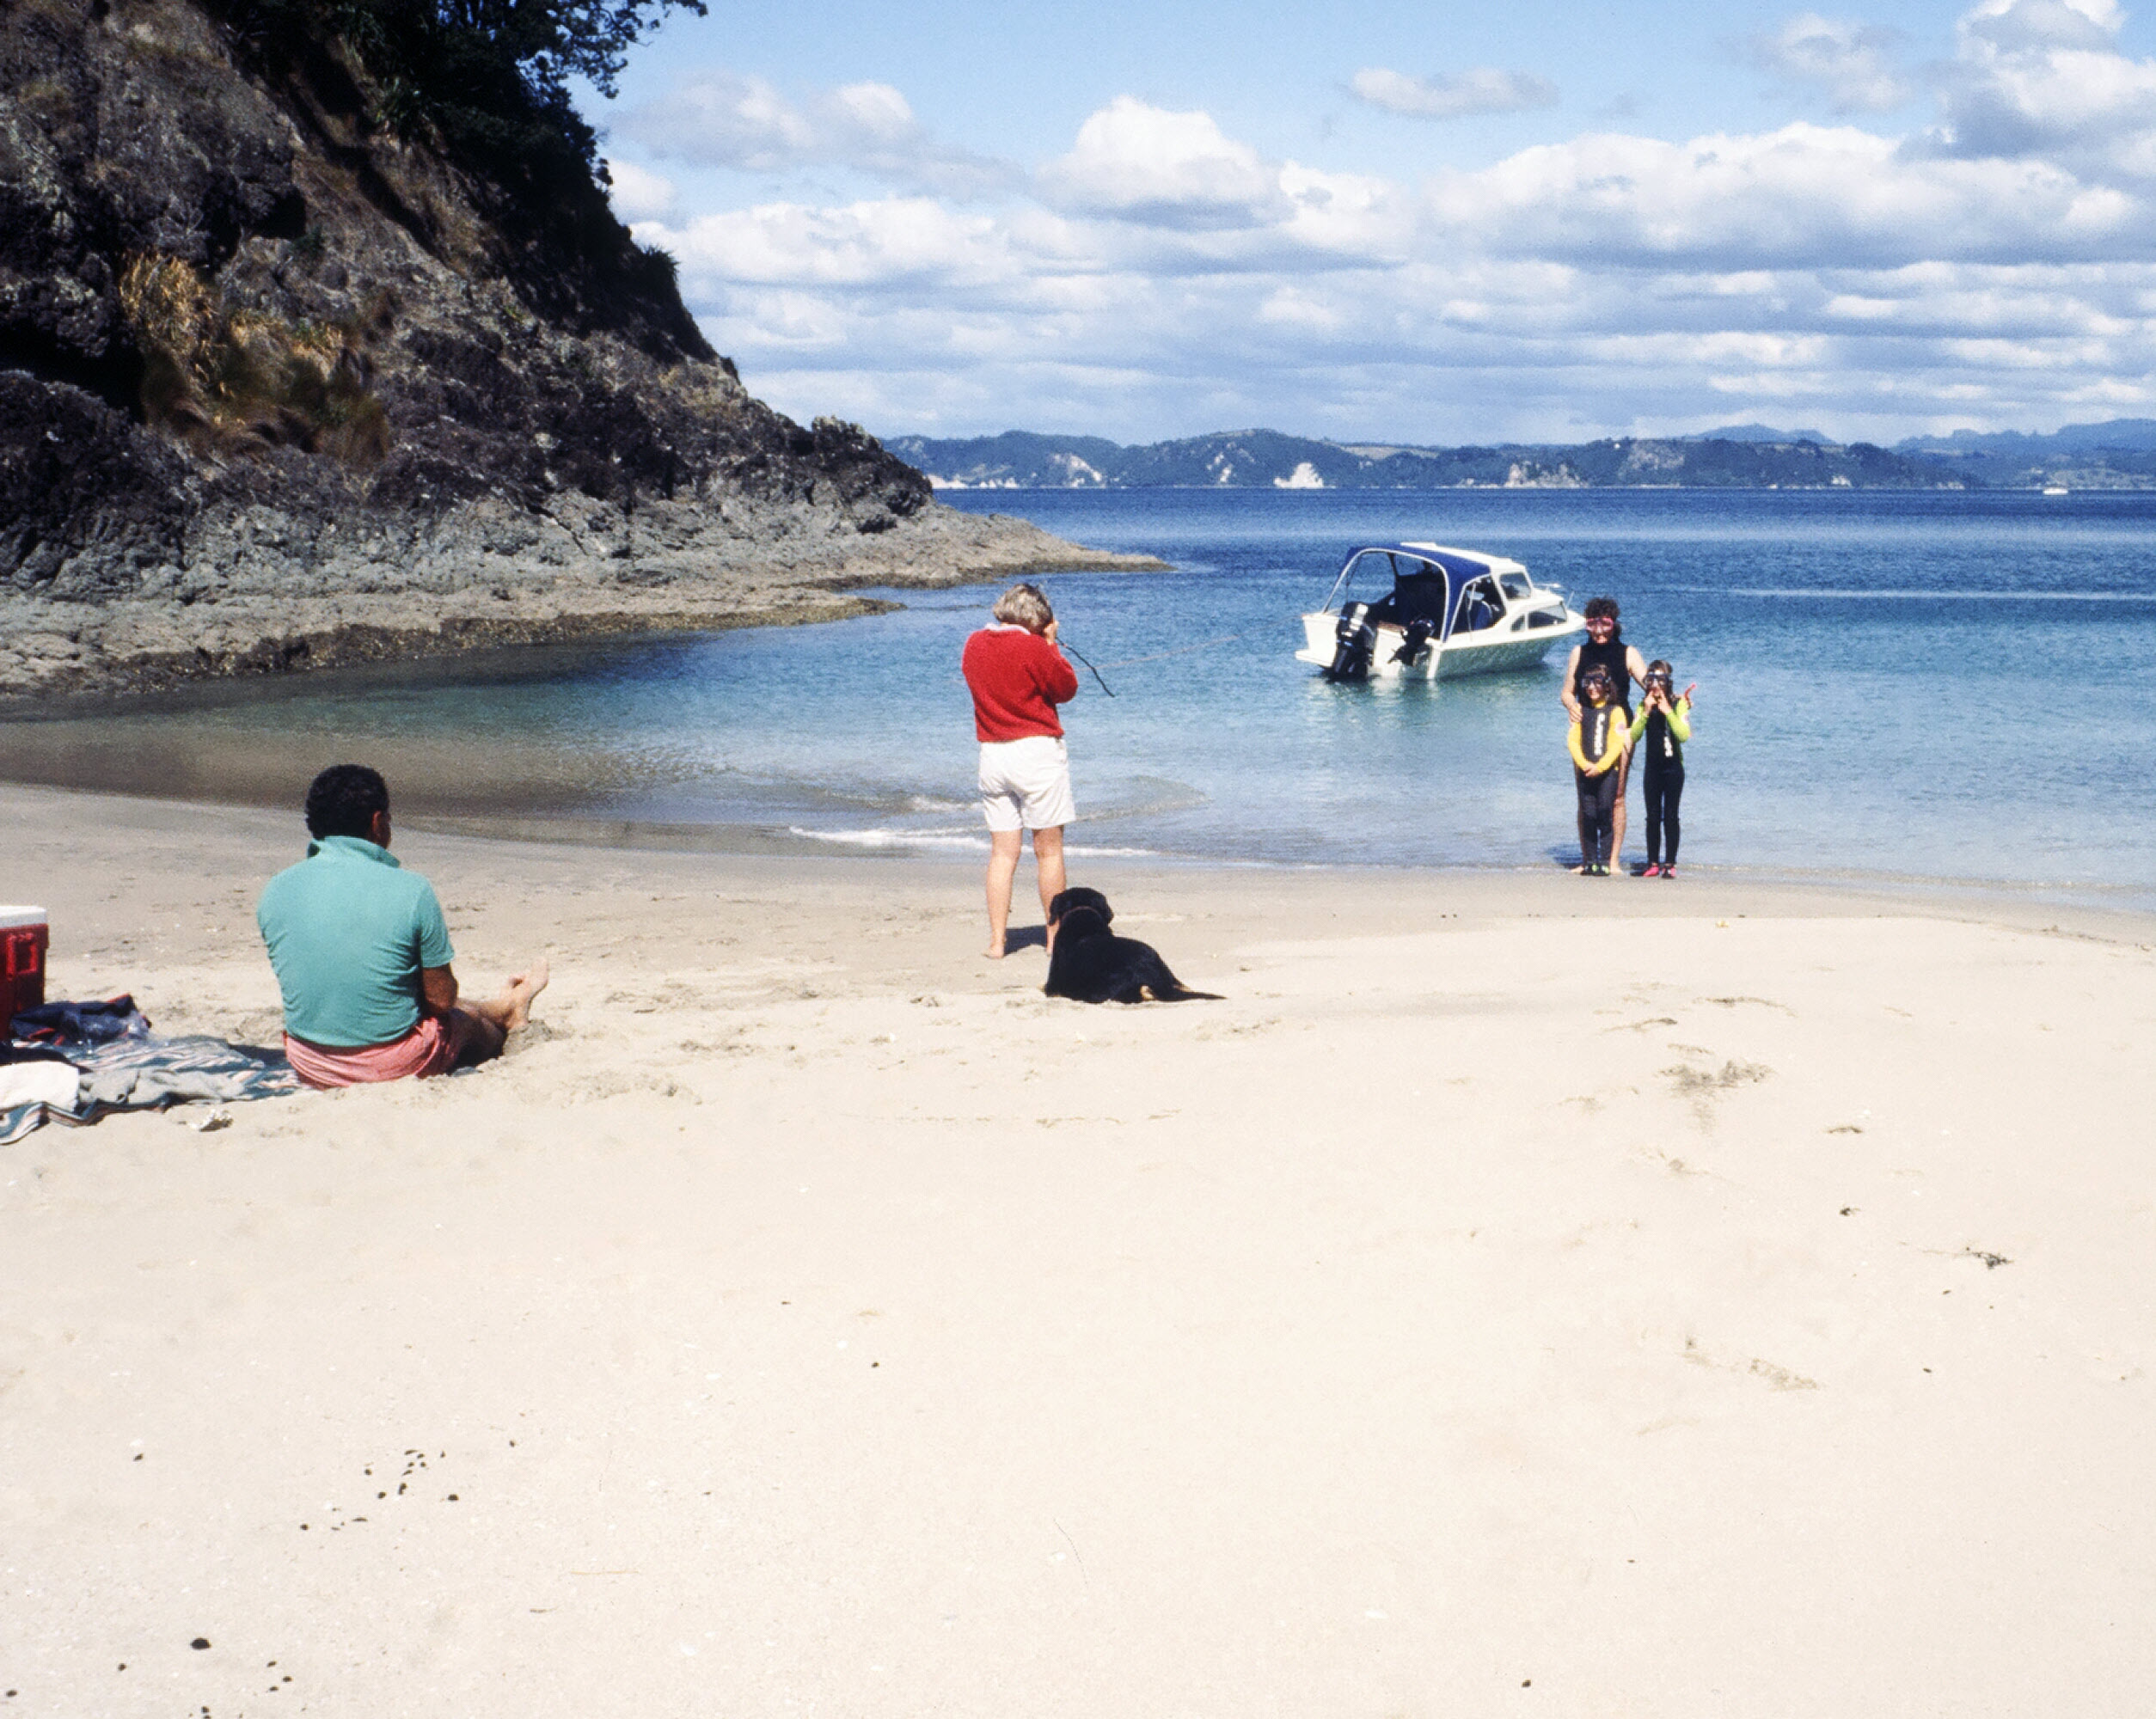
{"x":23,"y":935}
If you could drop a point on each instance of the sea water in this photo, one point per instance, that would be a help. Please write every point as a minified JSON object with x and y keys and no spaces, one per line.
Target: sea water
{"x":1934,"y":687}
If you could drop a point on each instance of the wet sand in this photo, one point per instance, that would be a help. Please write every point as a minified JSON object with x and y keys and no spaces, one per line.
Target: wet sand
{"x":1614,"y":1297}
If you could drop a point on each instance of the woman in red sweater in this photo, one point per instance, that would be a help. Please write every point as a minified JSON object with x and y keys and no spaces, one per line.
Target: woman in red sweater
{"x":1017,"y":677}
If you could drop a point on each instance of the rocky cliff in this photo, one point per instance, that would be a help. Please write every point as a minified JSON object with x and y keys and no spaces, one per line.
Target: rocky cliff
{"x":282,"y":384}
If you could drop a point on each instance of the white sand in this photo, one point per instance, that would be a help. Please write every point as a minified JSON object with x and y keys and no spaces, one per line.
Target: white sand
{"x":1522,"y":1295}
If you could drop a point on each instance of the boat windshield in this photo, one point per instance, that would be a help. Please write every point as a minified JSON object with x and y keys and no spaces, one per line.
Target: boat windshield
{"x":1480,"y":607}
{"x":1516,"y":586}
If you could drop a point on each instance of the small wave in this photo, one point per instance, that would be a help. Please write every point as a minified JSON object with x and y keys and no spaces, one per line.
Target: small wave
{"x":890,"y":838}
{"x":949,"y":841}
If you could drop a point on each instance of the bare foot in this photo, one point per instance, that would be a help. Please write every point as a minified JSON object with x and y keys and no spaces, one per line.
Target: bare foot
{"x":523,"y":987}
{"x":994,"y":951}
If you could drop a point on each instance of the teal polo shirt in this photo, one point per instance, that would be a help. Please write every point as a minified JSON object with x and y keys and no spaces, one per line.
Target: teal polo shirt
{"x":348,"y":930}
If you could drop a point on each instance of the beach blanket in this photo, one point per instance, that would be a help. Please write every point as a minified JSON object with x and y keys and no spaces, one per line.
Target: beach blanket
{"x":88,"y":1060}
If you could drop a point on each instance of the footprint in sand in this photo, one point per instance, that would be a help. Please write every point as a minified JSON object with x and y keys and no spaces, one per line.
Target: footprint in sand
{"x":1780,"y":1378}
{"x":1702,"y":1086}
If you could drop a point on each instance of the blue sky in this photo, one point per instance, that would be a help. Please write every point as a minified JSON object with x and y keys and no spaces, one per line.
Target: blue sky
{"x":1541,"y":220}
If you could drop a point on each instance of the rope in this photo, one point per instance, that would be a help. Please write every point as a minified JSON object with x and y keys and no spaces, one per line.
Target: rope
{"x":1179,"y":650}
{"x":1157,"y":656}
{"x":1162,"y":655}
{"x":1074,"y":652}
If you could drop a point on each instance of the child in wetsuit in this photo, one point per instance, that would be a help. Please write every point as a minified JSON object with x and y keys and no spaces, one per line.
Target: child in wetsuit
{"x":1665,"y":723}
{"x":1596,"y":741}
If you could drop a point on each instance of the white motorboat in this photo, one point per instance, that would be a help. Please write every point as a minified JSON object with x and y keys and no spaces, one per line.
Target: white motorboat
{"x":1442,"y":612}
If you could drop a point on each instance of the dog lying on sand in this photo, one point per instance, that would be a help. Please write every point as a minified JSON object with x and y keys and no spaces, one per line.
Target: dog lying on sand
{"x":1091,"y":964}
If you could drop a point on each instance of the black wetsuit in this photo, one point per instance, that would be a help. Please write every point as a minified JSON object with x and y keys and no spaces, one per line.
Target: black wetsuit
{"x":1597,"y":794}
{"x":1662,"y":784}
{"x":1610,"y":658}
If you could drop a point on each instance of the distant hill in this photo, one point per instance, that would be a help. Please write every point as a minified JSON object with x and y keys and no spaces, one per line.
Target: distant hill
{"x":1266,"y":459}
{"x":2121,"y":435}
{"x":1756,"y":432}
{"x":2117,"y":455}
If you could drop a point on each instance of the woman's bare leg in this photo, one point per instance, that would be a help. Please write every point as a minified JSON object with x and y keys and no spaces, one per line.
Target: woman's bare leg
{"x":1048,"y":861}
{"x":1002,"y":870}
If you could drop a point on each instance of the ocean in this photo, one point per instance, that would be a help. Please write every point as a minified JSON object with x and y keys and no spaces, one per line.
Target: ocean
{"x":1926,"y":688}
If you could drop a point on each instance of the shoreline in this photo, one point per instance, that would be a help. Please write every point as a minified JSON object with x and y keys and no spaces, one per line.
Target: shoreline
{"x":1546,"y":889}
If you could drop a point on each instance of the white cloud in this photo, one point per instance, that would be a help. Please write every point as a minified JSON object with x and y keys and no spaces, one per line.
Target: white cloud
{"x":2019,"y":26}
{"x":890,"y":242}
{"x":1346,"y":216}
{"x":1852,"y":64}
{"x":638,"y":194}
{"x":1166,"y":275}
{"x":726,"y":121}
{"x":1483,"y":90}
{"x":2043,"y":77}
{"x":1142,"y":163}
{"x":1803,"y":196}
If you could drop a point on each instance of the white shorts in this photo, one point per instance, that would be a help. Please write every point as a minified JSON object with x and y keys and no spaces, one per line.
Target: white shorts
{"x":1026,"y":784}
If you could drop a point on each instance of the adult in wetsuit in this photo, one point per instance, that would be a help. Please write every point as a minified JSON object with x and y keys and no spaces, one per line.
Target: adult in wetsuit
{"x":1663,"y":725}
{"x":1605,"y":648}
{"x":1596,"y":741}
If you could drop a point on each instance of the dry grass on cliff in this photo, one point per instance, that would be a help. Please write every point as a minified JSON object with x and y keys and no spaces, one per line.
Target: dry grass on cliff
{"x":232,"y":381}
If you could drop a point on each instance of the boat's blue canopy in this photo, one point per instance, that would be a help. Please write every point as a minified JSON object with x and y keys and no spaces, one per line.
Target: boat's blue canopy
{"x":1458,"y":565}
{"x":1425,"y":582}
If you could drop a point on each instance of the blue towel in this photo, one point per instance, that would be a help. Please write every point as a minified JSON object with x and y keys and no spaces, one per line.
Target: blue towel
{"x":125,"y":1066}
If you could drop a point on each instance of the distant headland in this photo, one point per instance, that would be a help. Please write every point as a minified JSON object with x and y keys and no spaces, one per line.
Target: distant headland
{"x":2118,"y":455}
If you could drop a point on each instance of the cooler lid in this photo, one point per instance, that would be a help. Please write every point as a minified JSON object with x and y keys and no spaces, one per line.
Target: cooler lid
{"x":10,"y":918}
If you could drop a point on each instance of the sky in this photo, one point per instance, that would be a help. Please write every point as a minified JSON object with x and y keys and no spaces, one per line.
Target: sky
{"x":1549,"y":220}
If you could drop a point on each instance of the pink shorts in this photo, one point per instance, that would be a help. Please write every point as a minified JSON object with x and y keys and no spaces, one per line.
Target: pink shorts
{"x":431,"y":1047}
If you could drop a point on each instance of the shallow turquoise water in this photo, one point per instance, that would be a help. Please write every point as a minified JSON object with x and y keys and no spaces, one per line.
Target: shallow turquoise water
{"x":1922,"y":687}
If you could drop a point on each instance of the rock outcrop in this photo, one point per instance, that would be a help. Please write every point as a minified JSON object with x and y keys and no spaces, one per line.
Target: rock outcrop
{"x":279,"y":388}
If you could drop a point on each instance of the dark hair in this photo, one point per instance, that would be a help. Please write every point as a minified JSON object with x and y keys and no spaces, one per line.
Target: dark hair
{"x":1661,"y":666}
{"x":1597,"y":607}
{"x":343,"y":800}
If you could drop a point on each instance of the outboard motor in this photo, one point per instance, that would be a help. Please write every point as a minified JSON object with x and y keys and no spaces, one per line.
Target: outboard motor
{"x":1353,"y":640}
{"x":1419,"y":632}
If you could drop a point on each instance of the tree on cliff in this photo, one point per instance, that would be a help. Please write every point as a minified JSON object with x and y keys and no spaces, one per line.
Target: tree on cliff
{"x":484,"y":85}
{"x":491,"y":76}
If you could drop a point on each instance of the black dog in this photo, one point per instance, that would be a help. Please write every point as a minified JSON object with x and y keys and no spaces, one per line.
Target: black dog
{"x":1092,"y":964}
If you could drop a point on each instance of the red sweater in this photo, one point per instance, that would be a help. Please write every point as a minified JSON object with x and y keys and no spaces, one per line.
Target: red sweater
{"x":1017,"y":679}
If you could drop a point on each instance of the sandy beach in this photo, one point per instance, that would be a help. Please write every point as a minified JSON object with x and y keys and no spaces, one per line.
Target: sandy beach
{"x":1522,"y":1296}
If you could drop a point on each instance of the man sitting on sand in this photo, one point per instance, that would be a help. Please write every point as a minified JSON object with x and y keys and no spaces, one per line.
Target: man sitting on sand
{"x":362,"y":954}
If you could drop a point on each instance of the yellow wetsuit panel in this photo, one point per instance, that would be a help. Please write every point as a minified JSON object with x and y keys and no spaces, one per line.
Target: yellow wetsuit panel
{"x":1613,"y":741}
